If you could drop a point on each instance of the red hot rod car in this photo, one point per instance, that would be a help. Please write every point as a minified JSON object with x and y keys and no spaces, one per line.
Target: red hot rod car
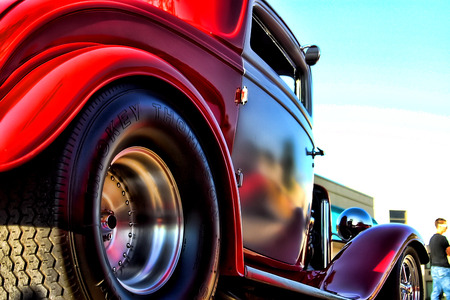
{"x":163,"y":149}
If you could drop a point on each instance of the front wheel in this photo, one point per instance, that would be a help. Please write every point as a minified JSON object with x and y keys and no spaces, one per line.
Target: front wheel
{"x":405,"y":281}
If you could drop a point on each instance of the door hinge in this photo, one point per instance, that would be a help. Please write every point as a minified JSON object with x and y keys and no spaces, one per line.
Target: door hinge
{"x":241,"y":96}
{"x":239,"y":177}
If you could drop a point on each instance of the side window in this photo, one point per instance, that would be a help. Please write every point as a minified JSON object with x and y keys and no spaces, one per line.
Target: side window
{"x":267,"y":47}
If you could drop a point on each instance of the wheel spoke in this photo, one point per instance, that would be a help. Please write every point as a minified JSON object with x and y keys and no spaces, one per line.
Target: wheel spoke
{"x":409,"y":279}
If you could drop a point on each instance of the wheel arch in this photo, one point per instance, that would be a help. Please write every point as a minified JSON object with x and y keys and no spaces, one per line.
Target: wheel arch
{"x":42,"y":104}
{"x":421,"y":251}
{"x":361,"y":268}
{"x":214,"y":146}
{"x":45,"y":101}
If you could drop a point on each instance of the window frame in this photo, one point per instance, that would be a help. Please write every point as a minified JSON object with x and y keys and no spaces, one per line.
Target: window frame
{"x":288,"y":46}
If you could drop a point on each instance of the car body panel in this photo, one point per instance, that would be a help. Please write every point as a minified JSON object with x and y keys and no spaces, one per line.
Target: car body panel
{"x":374,"y":252}
{"x":6,"y":4}
{"x":36,"y":32}
{"x":277,"y":186}
{"x":224,"y":19}
{"x":54,"y":55}
{"x":39,"y":107}
{"x":38,"y":64}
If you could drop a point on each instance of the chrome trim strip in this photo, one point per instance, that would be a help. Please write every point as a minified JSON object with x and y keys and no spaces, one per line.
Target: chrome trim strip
{"x":326,"y":234}
{"x":274,"y":280}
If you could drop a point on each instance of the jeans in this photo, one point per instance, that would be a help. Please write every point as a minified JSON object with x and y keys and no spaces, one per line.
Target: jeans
{"x":441,"y":282}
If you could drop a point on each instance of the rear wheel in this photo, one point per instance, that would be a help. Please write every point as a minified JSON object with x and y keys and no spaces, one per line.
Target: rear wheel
{"x":141,"y":220}
{"x":132,"y":206}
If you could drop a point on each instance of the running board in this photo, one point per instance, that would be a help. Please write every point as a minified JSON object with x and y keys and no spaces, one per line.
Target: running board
{"x":287,"y":284}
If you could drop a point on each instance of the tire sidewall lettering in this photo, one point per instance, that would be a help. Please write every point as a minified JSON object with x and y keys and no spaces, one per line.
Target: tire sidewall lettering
{"x":113,"y":131}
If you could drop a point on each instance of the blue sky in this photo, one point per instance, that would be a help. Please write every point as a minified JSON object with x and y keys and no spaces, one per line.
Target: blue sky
{"x":382,"y":99}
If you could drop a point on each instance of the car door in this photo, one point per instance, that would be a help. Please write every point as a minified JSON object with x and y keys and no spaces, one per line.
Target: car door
{"x":272,"y":140}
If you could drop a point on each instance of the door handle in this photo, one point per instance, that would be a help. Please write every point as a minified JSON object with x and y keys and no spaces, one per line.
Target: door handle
{"x":315,"y":152}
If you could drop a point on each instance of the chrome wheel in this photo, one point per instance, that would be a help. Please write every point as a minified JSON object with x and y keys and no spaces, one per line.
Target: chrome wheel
{"x":141,"y":220}
{"x":409,"y":279}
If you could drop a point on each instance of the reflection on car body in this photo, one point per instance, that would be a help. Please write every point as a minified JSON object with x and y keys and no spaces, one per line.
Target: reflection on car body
{"x":165,"y":150}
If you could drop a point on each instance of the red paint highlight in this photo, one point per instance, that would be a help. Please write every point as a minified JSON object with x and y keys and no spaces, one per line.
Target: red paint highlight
{"x":385,"y":263}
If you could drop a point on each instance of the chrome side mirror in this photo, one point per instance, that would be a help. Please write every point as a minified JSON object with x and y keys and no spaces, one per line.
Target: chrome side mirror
{"x":312,"y":54}
{"x":352,"y":221}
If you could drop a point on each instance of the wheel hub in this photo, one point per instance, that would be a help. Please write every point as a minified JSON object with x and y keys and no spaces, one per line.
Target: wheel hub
{"x":141,"y":220}
{"x":409,"y":279}
{"x":116,"y":221}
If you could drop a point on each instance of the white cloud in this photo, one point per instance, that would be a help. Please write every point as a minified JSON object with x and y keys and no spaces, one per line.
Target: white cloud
{"x":401,"y":158}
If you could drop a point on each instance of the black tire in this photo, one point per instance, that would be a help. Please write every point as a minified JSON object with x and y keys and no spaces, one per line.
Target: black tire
{"x":134,"y":202}
{"x":32,"y":248}
{"x":405,"y":281}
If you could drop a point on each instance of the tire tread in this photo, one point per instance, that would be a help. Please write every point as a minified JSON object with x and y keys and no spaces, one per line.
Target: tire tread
{"x":32,"y":247}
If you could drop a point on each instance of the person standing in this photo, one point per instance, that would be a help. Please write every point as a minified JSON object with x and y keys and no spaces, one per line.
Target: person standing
{"x":440,"y":268}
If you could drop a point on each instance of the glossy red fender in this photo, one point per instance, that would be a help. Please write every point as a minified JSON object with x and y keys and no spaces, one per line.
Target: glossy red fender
{"x":38,"y":109}
{"x":44,"y":102}
{"x":361,"y":268}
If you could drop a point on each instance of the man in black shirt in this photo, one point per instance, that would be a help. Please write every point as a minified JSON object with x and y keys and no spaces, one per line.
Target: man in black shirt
{"x":440,"y":268}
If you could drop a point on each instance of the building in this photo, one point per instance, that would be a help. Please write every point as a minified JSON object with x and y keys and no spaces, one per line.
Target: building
{"x":398,"y":216}
{"x":341,"y":198}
